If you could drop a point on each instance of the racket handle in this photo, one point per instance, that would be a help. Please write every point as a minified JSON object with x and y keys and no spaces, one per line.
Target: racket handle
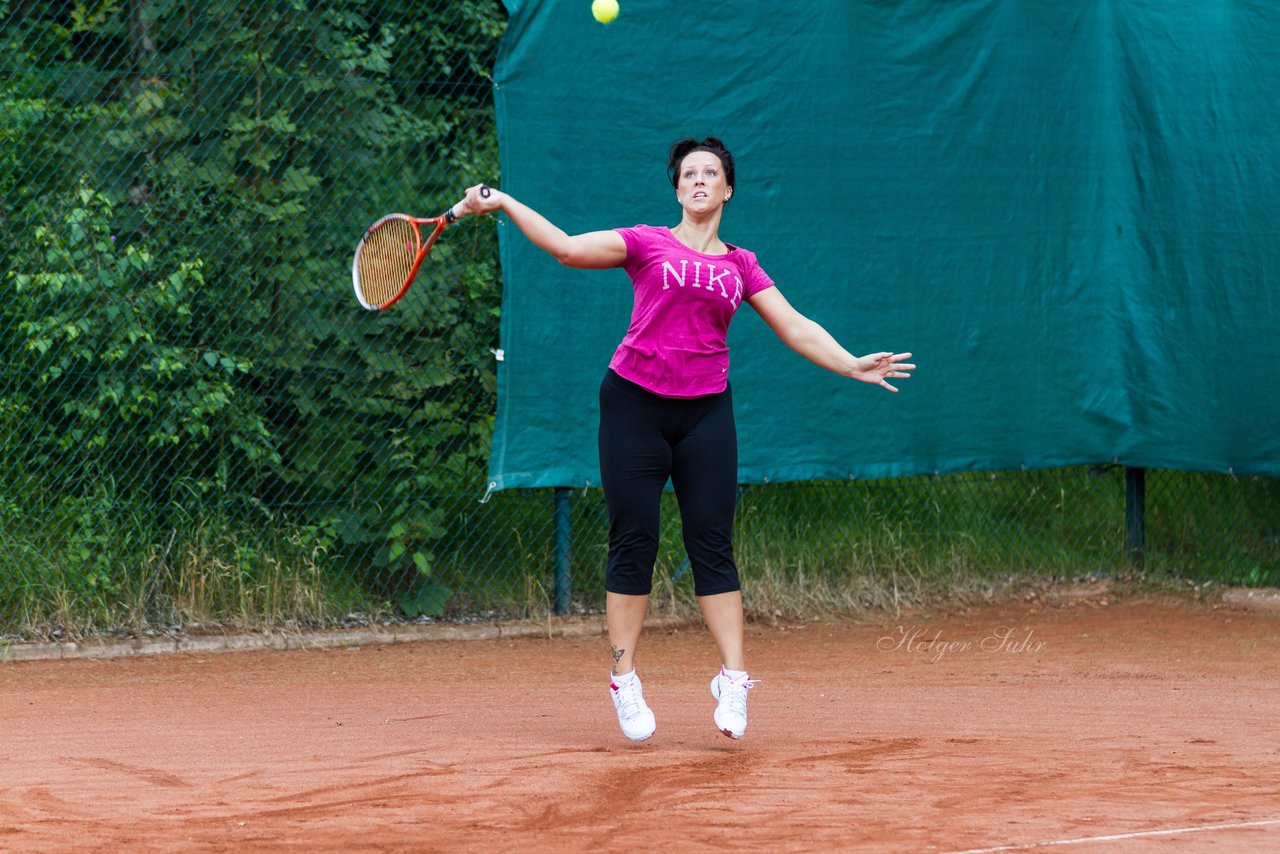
{"x":454,"y":213}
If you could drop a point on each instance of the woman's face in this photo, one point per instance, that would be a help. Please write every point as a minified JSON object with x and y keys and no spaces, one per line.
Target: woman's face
{"x":701,"y":184}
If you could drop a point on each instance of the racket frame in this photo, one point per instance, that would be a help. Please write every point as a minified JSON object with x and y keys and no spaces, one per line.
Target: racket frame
{"x":421,"y":248}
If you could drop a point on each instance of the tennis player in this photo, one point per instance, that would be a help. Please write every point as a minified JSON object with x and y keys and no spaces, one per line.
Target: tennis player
{"x":666,"y":409}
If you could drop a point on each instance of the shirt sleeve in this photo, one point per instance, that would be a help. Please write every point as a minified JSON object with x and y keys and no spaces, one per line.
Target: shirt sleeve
{"x":757,"y":279}
{"x":633,"y":239}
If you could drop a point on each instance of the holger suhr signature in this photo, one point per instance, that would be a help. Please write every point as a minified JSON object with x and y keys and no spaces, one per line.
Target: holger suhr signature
{"x":916,"y":640}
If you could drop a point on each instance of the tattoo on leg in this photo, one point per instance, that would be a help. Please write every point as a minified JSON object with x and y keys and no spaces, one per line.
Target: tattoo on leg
{"x":617,"y":653}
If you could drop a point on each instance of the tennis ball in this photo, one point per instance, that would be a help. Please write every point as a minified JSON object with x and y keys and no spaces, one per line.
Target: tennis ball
{"x":604,"y":10}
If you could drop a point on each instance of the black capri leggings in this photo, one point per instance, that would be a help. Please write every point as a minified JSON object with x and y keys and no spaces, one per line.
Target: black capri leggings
{"x":645,"y":439}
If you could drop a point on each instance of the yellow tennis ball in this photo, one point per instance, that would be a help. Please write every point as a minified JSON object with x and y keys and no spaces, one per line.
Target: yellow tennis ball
{"x":604,"y":10}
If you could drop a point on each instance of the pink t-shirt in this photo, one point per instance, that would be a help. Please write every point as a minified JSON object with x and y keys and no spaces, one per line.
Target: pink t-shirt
{"x":675,"y":346}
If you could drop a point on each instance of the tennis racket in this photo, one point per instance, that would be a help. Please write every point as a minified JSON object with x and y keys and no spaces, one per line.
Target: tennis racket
{"x":391,"y":253}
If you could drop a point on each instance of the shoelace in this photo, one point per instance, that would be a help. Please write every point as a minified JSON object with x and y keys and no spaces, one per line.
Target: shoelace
{"x":631,"y":704}
{"x":735,"y":694}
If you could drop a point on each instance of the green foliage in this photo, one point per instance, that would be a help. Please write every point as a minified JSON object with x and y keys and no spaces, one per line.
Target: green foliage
{"x":182,"y":190}
{"x":424,"y":600}
{"x":115,"y":371}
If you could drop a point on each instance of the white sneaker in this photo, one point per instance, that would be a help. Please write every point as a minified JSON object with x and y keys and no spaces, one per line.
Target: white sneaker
{"x":731,"y":713}
{"x":634,"y":716}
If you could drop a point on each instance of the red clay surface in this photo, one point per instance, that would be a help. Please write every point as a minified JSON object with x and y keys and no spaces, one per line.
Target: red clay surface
{"x":1123,"y":720}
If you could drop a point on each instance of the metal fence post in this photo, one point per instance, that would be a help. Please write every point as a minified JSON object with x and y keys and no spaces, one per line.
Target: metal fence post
{"x":564,"y":530}
{"x":1135,"y":515}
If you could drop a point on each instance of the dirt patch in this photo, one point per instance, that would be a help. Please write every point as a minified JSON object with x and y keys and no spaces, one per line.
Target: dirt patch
{"x":1003,"y":727}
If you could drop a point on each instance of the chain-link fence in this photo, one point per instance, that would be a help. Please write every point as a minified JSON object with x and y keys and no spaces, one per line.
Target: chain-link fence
{"x":200,"y":426}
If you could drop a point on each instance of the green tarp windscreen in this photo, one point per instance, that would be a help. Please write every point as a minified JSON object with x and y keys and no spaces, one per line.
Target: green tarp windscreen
{"x":1069,"y":211}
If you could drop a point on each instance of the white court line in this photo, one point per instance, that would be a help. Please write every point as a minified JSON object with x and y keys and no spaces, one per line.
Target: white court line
{"x":1118,"y":837}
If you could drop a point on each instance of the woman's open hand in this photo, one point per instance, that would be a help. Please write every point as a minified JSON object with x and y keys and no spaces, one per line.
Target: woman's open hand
{"x":879,"y":368}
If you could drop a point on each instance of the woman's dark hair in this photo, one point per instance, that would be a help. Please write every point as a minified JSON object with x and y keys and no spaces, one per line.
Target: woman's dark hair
{"x":684,"y":147}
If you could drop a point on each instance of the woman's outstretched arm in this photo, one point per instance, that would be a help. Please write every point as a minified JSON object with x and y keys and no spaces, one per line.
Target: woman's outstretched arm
{"x":810,"y":340}
{"x":591,"y":250}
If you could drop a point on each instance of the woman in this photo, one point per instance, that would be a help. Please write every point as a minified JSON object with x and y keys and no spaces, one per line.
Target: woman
{"x":666,"y":410}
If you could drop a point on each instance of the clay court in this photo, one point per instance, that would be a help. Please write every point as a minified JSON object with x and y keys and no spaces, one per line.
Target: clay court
{"x":1130,"y":725}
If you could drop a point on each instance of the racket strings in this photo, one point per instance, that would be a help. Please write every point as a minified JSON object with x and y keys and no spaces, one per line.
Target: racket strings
{"x":385,"y":261}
